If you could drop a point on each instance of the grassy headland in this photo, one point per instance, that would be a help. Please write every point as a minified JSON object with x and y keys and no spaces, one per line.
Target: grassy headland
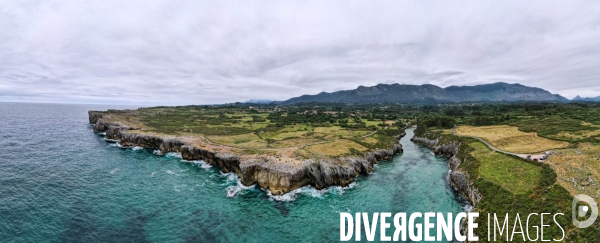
{"x":286,"y":133}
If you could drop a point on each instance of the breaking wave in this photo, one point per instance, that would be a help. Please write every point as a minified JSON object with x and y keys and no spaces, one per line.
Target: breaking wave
{"x":110,"y":140}
{"x":288,"y":197}
{"x":173,"y":155}
{"x":200,"y":163}
{"x":311,"y":192}
{"x":116,"y":144}
{"x":239,"y":187}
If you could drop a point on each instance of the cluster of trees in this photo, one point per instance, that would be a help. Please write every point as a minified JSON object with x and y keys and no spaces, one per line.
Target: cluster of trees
{"x":293,"y":118}
{"x":438,"y":121}
{"x":488,"y":120}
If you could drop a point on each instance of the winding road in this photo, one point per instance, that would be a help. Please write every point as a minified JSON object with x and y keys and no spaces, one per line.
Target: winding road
{"x":524,"y":156}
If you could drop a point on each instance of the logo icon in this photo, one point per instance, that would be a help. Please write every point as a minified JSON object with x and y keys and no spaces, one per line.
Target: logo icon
{"x":583,"y":210}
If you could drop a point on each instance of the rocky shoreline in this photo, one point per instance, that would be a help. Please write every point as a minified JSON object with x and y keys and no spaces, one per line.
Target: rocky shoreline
{"x":276,"y":177}
{"x":458,"y":179}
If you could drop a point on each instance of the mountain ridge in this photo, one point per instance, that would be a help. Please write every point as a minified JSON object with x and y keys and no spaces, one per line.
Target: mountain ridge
{"x":579,"y":98}
{"x":428,"y":93}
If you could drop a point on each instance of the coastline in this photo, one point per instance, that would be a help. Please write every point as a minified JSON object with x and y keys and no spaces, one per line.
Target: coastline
{"x":277,"y":178}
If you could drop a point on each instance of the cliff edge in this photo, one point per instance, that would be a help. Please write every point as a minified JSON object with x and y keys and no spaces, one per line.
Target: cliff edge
{"x":269,"y":173}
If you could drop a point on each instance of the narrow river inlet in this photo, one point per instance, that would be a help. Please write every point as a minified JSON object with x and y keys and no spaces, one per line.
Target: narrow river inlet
{"x":63,"y":183}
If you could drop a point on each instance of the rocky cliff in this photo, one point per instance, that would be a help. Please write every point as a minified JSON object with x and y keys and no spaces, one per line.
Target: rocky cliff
{"x":278,"y":178}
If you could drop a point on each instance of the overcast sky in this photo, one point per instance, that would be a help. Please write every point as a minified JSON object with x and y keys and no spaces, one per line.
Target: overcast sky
{"x":207,"y":52}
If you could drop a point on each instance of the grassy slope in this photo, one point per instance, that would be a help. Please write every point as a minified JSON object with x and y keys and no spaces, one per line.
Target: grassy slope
{"x":510,"y":173}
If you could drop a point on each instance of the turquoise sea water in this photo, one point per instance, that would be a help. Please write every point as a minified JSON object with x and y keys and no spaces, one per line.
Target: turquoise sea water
{"x":60,"y":182}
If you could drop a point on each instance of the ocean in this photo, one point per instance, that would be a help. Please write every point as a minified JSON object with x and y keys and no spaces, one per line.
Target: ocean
{"x":61,"y":182}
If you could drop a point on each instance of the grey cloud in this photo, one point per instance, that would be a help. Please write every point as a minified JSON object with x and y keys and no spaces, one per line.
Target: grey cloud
{"x":204,"y":52}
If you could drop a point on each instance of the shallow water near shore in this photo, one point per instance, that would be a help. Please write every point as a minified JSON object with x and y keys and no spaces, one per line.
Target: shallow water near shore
{"x":61,"y":182}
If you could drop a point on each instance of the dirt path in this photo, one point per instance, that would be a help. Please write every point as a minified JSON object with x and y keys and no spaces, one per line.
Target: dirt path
{"x":368,"y":135}
{"x":524,"y":156}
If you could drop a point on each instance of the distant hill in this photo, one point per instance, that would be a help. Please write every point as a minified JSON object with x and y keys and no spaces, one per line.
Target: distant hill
{"x":579,"y":98}
{"x":255,"y":101}
{"x":427,"y":93}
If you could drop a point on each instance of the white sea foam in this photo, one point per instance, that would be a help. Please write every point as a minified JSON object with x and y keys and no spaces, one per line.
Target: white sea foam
{"x":468,"y":208}
{"x":314,"y":192}
{"x":239,"y":184}
{"x":232,"y":191}
{"x":205,"y":165}
{"x":230,"y":177}
{"x":116,"y":144}
{"x":173,"y":155}
{"x":137,"y":148}
{"x":310,"y":191}
{"x":341,"y":190}
{"x":152,"y":175}
{"x":172,"y":173}
{"x":350,"y":186}
{"x":156,"y":152}
{"x":200,"y":163}
{"x":288,"y":197}
{"x":114,"y":170}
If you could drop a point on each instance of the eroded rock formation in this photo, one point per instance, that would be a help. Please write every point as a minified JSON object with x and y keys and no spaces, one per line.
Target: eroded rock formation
{"x":278,"y":178}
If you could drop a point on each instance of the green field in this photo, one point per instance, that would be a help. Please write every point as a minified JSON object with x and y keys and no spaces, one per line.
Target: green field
{"x":511,"y":173}
{"x":250,"y":129}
